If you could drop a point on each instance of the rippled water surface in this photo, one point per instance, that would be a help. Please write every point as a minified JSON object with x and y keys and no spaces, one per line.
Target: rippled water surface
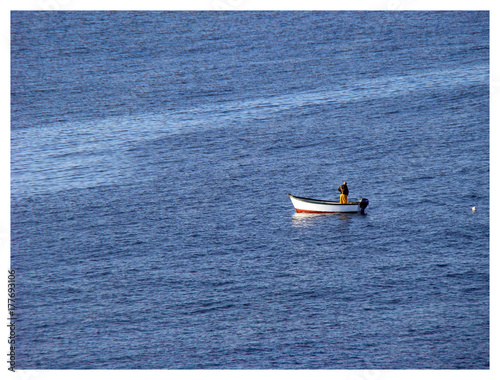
{"x":152,"y":155}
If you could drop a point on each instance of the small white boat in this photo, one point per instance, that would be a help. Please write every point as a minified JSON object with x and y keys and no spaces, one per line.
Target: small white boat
{"x":318,"y":206}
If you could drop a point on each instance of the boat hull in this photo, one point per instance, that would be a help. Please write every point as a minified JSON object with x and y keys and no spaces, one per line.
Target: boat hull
{"x":310,"y":205}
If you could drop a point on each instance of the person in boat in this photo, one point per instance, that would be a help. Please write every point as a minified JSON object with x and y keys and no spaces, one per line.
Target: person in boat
{"x":344,"y":192}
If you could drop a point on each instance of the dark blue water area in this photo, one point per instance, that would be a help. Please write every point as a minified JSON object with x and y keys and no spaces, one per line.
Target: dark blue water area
{"x":152,"y":155}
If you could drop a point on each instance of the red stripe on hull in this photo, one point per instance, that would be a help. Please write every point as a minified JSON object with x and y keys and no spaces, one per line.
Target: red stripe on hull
{"x":324,"y":212}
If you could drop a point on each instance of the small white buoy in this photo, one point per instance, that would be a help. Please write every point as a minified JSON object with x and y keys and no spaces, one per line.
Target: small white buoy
{"x":474,"y":209}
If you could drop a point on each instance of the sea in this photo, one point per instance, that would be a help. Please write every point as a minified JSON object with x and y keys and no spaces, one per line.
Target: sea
{"x":152,"y":154}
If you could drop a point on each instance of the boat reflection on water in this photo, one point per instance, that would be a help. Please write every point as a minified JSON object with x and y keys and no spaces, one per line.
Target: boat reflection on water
{"x":302,"y":219}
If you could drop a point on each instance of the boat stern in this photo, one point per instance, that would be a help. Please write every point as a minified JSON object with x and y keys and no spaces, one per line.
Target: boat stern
{"x":363,"y":203}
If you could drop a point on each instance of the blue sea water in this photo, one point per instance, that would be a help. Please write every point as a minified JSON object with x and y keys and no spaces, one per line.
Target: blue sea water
{"x":152,"y":154}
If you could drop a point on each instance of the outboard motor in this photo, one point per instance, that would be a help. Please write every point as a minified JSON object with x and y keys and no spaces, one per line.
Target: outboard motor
{"x":363,"y":203}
